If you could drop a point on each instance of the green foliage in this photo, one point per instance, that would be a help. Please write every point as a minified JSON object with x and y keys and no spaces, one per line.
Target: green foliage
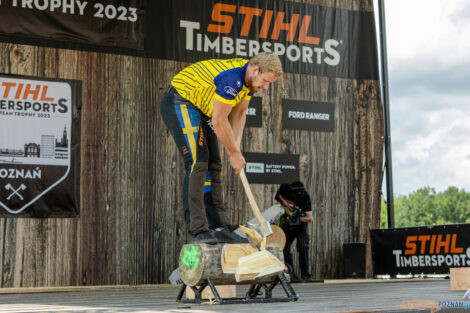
{"x":425,"y":207}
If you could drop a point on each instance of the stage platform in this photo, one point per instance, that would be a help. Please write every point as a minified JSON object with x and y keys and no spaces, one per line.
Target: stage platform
{"x":329,"y":296}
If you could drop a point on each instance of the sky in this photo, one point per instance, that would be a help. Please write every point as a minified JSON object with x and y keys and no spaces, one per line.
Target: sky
{"x":428,"y":50}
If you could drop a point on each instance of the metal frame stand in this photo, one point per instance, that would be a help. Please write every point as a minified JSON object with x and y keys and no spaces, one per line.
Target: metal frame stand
{"x":250,"y":297}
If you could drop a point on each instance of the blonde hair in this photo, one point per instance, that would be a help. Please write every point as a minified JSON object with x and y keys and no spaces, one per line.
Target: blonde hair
{"x":267,"y":62}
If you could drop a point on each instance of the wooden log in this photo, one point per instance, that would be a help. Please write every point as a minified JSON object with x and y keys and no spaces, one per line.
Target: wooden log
{"x":278,"y":237}
{"x":199,"y":261}
{"x":459,"y":278}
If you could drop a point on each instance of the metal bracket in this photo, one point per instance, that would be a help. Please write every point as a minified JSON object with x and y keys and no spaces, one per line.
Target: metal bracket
{"x":251,"y":295}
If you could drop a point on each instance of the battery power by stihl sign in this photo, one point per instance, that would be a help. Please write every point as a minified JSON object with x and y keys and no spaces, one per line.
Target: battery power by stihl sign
{"x":421,"y":249}
{"x":271,"y":168}
{"x":37,"y":147}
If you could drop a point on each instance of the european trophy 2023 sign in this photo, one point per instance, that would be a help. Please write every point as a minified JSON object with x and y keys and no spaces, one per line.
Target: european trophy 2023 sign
{"x":38,"y":147}
{"x":110,"y":23}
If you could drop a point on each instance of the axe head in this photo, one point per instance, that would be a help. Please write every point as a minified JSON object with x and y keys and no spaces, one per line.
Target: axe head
{"x":264,"y":228}
{"x":8,"y":186}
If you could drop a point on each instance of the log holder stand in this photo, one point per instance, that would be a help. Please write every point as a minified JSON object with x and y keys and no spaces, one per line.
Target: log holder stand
{"x":250,"y":297}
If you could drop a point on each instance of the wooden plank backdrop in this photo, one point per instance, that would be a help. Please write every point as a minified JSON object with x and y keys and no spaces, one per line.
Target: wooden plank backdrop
{"x":131,"y":226}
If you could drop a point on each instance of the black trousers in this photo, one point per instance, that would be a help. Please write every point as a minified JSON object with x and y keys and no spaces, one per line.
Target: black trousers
{"x":299,"y":233}
{"x":198,"y":145}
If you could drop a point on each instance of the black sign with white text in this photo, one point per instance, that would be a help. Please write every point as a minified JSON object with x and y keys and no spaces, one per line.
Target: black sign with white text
{"x":309,"y":39}
{"x":417,"y":250}
{"x":267,"y":168}
{"x":115,"y":23}
{"x":308,"y":115}
{"x":254,"y":113}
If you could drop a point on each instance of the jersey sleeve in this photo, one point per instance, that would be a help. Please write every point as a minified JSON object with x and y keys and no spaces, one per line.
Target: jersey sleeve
{"x":248,"y":96}
{"x":227,"y":85}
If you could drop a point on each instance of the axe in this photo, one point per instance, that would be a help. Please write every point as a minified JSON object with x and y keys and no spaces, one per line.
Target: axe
{"x":263,"y":227}
{"x":15,"y":192}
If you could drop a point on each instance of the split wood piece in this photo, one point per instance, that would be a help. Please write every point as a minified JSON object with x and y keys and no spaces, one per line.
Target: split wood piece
{"x":278,"y":237}
{"x":252,"y":234}
{"x":263,"y":244}
{"x":258,"y":264}
{"x":231,"y":254}
{"x":459,"y":278}
{"x":224,"y":291}
{"x":199,"y":261}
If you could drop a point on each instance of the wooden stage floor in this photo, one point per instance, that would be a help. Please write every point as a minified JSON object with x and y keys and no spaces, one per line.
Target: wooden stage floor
{"x":331,"y":296}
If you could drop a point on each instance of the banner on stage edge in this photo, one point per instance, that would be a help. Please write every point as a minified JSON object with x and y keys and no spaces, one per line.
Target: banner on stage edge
{"x":417,"y":250}
{"x":39,"y":147}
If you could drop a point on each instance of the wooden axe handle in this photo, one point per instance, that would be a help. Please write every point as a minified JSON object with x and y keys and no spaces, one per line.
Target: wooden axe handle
{"x":251,"y":199}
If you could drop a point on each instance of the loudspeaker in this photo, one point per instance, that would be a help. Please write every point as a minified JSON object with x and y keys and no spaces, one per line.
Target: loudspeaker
{"x":354,"y":260}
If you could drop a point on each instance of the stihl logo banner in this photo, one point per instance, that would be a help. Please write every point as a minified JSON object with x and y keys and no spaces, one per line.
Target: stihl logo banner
{"x":309,"y":39}
{"x":421,"y":249}
{"x":36,"y":128}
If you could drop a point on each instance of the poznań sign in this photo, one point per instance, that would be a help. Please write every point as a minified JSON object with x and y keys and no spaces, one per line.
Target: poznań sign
{"x":35,"y":141}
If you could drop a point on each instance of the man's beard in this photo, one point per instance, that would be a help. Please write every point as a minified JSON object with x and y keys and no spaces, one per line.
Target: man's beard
{"x":250,"y":86}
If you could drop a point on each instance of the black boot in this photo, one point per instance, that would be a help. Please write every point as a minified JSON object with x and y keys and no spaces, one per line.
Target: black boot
{"x":307,"y":278}
{"x":205,"y":237}
{"x":225,"y":235}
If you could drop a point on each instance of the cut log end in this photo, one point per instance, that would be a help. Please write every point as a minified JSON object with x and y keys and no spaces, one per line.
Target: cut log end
{"x":191,"y":262}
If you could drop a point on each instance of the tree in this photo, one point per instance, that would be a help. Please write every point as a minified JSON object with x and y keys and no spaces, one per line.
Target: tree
{"x":426,"y":207}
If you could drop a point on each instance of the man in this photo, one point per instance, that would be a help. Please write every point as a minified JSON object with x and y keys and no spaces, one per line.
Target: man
{"x":207,"y":102}
{"x":297,"y":204}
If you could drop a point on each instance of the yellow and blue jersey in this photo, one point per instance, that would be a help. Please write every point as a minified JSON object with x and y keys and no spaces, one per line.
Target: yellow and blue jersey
{"x":204,"y":81}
